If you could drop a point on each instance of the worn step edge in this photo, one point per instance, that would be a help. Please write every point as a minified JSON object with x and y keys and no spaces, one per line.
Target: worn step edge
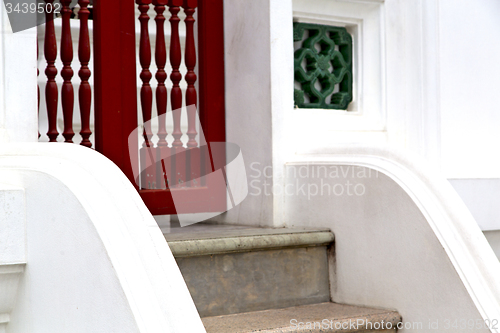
{"x":326,"y":317}
{"x":200,"y":247}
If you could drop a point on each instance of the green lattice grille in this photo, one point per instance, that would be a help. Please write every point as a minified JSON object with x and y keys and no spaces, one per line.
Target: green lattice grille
{"x":322,"y":66}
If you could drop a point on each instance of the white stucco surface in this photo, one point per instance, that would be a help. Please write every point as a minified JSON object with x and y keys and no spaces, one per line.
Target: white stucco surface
{"x":12,"y":225}
{"x":12,"y":247}
{"x":18,"y":98}
{"x":469,"y":101}
{"x":96,"y":259}
{"x":482,"y":197}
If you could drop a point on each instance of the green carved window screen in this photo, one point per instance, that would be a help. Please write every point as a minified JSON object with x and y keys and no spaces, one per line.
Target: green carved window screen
{"x":322,"y":66}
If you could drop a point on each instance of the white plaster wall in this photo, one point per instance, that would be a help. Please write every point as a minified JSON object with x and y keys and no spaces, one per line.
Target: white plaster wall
{"x":12,"y":225}
{"x":392,"y":74}
{"x":392,"y":71}
{"x":482,"y":197}
{"x":17,"y":97}
{"x":469,"y":49}
{"x":412,"y":77}
{"x":12,"y":247}
{"x":366,"y":115}
{"x":397,"y":79}
{"x":17,"y":124}
{"x":412,"y":89}
{"x":470,"y":75}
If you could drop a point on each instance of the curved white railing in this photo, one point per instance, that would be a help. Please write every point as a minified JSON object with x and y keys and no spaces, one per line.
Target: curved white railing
{"x":96,"y":259}
{"x":446,"y":214}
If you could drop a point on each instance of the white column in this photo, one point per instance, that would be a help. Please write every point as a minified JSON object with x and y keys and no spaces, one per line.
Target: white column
{"x":259,"y":89}
{"x":282,"y":103}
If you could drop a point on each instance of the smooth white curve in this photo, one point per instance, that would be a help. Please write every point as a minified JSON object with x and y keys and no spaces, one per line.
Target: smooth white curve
{"x":445,"y":212}
{"x":140,"y":257}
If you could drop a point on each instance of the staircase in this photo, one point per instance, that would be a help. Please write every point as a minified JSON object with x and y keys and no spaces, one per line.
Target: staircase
{"x":245,"y":279}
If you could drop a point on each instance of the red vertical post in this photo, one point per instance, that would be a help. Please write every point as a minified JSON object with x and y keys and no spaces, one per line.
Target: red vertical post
{"x":175,"y":76}
{"x":148,"y":179}
{"x":211,"y":88}
{"x":211,"y":69}
{"x":85,"y":91}
{"x":190,"y":59}
{"x":161,"y":75}
{"x":51,"y":91}
{"x":115,"y":82}
{"x":145,"y":60}
{"x":193,"y":154}
{"x":162,"y":169}
{"x":178,"y":163}
{"x":67,"y":93}
{"x":37,"y":85}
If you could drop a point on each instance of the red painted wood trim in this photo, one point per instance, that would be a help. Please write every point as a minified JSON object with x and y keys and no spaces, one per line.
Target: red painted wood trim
{"x":51,"y":91}
{"x":67,"y":93}
{"x":190,"y":61}
{"x":198,"y":200}
{"x":115,"y":81}
{"x":211,"y":69}
{"x":211,"y":85}
{"x":85,"y":91}
{"x":175,"y":76}
{"x":161,"y":75}
{"x":145,"y":60}
{"x":37,"y":85}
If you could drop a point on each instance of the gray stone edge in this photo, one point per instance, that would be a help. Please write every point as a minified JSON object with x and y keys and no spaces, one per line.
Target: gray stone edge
{"x":201,"y":247}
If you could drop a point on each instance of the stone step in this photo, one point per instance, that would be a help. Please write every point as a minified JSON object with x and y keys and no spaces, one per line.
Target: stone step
{"x":324,"y":317}
{"x":234,"y":270}
{"x":230,"y":240}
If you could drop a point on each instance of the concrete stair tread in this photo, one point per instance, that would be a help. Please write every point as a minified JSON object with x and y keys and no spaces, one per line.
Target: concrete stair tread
{"x":206,"y":241}
{"x":333,"y":317}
